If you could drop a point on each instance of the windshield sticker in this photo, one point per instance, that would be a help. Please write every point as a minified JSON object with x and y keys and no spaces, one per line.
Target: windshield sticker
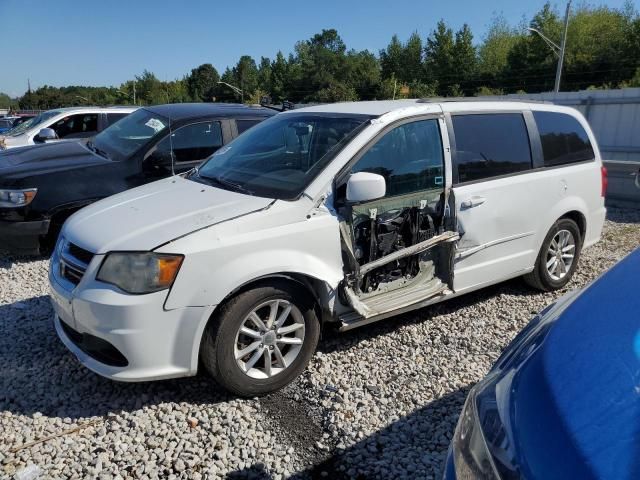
{"x":155,"y":124}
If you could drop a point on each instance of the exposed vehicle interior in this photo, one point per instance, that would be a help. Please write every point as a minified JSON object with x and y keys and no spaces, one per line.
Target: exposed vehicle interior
{"x":404,"y":240}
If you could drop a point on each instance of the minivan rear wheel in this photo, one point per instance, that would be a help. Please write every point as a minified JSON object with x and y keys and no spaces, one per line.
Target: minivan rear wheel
{"x":261,"y":339}
{"x":558,"y":257}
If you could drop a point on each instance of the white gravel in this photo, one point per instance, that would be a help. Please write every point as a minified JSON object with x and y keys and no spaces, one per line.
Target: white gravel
{"x":379,"y":402}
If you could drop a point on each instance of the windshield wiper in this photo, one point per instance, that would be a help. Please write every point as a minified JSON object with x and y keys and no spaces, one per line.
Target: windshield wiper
{"x":226,"y":183}
{"x":91,"y":146}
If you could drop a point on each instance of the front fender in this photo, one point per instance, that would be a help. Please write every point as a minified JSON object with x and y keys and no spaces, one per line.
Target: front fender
{"x":310,"y":248}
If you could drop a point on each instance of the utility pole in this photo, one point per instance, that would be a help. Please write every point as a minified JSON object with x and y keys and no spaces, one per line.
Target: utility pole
{"x":562,"y":47}
{"x":134,"y":93}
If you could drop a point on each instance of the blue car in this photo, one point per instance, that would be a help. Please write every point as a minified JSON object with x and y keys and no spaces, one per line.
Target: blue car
{"x":563,"y":400}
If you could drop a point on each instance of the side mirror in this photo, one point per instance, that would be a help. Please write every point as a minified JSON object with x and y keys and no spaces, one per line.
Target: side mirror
{"x":365,"y":186}
{"x":46,"y":134}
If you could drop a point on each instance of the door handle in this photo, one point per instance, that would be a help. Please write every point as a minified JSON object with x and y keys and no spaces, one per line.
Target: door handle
{"x":472,"y":202}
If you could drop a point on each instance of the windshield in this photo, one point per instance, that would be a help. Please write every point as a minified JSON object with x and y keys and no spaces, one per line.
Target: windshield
{"x":33,"y":122}
{"x":127,"y":135}
{"x":279,"y":157}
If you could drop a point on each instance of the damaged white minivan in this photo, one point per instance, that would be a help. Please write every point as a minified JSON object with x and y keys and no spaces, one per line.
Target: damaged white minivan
{"x":346,"y":213}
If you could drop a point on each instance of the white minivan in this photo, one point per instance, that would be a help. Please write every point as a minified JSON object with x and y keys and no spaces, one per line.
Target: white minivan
{"x":346,"y":213}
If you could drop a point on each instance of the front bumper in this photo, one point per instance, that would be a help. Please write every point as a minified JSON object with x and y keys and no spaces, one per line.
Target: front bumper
{"x":23,"y":237}
{"x":102,"y":326}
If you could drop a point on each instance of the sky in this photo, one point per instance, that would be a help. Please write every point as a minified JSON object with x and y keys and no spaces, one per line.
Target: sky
{"x":104,"y":43}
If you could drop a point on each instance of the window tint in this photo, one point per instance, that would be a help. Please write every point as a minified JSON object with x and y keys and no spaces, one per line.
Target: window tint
{"x":409,"y":157}
{"x":77,"y":126}
{"x":563,"y":139}
{"x":489,"y":145}
{"x":244,"y":125}
{"x":114,"y":117}
{"x":193,"y":142}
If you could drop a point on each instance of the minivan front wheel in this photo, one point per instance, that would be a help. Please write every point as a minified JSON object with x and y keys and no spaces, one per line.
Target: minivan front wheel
{"x":261,"y":339}
{"x":558,"y":257}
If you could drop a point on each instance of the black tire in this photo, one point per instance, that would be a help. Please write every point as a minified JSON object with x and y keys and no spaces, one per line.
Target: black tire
{"x":540,"y":278}
{"x":218,"y":342}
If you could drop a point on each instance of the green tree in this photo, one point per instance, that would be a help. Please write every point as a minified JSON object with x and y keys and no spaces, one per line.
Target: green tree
{"x":245,"y":76}
{"x":202,"y":83}
{"x":412,"y":60}
{"x":363,"y":74}
{"x":264,"y":75}
{"x":440,"y":63}
{"x":391,"y":59}
{"x":530,"y":62}
{"x":321,"y":67}
{"x":465,"y":57}
{"x":149,"y":89}
{"x":494,"y":51}
{"x":7,"y":102}
{"x":279,"y":73}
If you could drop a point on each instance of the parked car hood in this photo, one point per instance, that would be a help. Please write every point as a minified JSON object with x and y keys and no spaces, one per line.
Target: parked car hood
{"x":576,"y":400}
{"x":47,"y":158}
{"x":146,"y":217}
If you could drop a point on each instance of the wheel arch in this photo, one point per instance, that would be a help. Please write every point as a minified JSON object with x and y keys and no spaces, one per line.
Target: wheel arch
{"x":580,"y":219}
{"x":319,"y":291}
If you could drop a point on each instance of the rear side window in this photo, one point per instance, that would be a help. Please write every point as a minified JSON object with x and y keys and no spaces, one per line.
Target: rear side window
{"x":244,"y":125}
{"x":490,"y":145}
{"x":563,"y":139}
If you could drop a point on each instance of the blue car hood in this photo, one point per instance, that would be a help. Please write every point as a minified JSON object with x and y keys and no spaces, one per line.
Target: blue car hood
{"x":576,"y":401}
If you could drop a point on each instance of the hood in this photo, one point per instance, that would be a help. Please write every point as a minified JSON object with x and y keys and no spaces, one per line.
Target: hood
{"x":146,"y":217}
{"x":13,"y":141}
{"x":577,"y":399}
{"x":47,"y":158}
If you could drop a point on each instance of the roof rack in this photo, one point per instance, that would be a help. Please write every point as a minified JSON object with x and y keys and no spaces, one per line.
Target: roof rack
{"x":479,"y":99}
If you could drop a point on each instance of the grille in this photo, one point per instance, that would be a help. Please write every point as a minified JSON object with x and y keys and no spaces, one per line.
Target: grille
{"x":80,"y":253}
{"x":73,"y":263}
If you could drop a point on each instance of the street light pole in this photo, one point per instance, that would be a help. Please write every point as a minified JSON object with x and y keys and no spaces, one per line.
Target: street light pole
{"x":234,"y":88}
{"x":559,"y":50}
{"x":563,"y":45}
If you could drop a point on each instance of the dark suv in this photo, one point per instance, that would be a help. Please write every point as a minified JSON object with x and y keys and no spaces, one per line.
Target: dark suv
{"x":41,"y":186}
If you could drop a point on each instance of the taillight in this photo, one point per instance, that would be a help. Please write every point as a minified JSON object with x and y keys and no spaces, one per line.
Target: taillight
{"x":605,"y":180}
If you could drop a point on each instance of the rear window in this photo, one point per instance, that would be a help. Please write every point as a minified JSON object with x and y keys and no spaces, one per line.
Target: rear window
{"x":563,"y":139}
{"x":490,"y":145}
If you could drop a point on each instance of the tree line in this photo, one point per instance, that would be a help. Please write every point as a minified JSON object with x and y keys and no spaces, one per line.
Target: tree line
{"x":603,"y":51}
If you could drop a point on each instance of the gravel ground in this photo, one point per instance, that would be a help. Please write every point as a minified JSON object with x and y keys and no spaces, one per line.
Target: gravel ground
{"x":379,"y":402}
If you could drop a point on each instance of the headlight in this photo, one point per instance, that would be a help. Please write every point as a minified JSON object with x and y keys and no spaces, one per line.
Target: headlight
{"x":471,"y":457}
{"x":17,"y":198}
{"x":482,"y":443}
{"x":140,"y":272}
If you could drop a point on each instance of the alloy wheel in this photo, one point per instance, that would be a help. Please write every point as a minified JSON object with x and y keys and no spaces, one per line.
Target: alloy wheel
{"x":269,"y":339}
{"x":560,"y":254}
